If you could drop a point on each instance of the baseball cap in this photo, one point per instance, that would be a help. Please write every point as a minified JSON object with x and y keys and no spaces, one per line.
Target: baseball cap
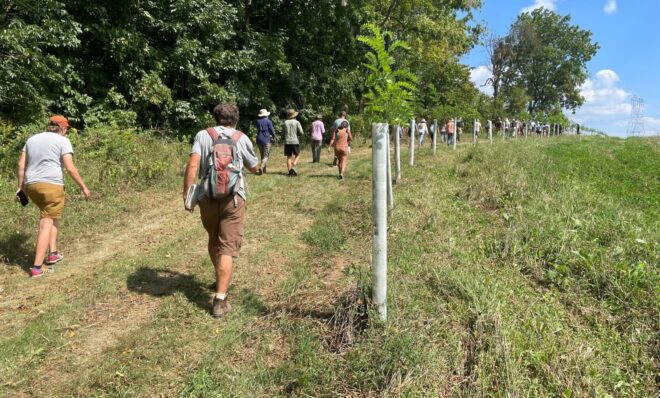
{"x":59,"y":120}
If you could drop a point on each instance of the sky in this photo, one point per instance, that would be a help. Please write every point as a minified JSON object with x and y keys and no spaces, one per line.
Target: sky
{"x":627,"y":63}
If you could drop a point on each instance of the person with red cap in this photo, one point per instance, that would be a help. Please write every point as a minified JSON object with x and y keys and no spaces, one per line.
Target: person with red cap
{"x":40,"y":178}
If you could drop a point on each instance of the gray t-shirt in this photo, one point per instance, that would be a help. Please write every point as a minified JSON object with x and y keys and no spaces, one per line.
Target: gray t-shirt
{"x":203,"y":147}
{"x":292,"y":128}
{"x":43,"y":158}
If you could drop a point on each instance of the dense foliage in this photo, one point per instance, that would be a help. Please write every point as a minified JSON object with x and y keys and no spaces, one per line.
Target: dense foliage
{"x":161,"y":64}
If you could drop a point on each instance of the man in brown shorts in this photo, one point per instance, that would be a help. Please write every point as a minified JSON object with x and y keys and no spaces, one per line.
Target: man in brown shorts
{"x":40,"y":177}
{"x":223,"y":220}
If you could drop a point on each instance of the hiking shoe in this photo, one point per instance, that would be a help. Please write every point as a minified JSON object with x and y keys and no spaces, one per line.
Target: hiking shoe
{"x":263,"y":170}
{"x":341,"y":177}
{"x":54,"y":258}
{"x":220,"y":307}
{"x":260,"y":172}
{"x":294,"y":173}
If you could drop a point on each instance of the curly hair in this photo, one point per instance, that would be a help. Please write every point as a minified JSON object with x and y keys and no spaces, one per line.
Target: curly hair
{"x":226,"y":114}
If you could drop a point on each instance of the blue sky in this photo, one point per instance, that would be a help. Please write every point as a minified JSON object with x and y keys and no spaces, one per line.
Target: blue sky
{"x":627,"y":64}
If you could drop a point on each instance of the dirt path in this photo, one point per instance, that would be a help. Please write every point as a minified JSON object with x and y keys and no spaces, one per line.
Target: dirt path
{"x":99,"y":327}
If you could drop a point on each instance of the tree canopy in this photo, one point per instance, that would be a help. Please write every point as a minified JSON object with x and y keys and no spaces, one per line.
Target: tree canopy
{"x":539,"y":66}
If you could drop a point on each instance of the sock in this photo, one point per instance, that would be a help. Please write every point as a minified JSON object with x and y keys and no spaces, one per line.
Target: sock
{"x":221,"y":296}
{"x":37,"y":266}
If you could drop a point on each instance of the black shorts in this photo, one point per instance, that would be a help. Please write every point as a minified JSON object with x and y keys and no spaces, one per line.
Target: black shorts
{"x":291,"y":149}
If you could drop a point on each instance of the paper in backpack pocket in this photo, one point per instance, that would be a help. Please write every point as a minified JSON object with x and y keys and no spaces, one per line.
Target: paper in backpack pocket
{"x":193,"y":196}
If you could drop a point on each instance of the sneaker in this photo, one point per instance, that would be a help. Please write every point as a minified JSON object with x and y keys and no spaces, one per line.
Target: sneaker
{"x":260,"y":172}
{"x":220,"y":307}
{"x":263,"y":170}
{"x":341,"y":177}
{"x":39,"y":271}
{"x":294,"y":173}
{"x":54,"y":258}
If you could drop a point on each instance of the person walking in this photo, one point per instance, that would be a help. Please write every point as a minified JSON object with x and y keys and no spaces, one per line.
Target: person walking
{"x":265,"y":132}
{"x":341,"y":139}
{"x":292,"y":129}
{"x":342,"y":117}
{"x":318,"y":129}
{"x":422,"y":129}
{"x":223,"y":219}
{"x":451,"y":130}
{"x":40,"y":177}
{"x":477,"y":129}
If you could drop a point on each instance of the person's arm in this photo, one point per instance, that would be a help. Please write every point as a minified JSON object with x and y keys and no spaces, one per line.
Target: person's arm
{"x":271,"y":130}
{"x":191,"y":172}
{"x":67,"y":159}
{"x":301,"y":132}
{"x":21,"y":171}
{"x":332,"y":139}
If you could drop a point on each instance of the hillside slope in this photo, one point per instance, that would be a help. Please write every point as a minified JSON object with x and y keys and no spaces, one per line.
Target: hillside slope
{"x":526,"y":268}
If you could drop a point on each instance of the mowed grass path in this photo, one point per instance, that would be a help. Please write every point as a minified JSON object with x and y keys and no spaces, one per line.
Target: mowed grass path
{"x":528,"y":268}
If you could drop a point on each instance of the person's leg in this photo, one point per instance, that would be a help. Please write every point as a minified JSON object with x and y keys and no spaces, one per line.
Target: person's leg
{"x":264,"y":157}
{"x":223,"y":271}
{"x":52,"y":245}
{"x":43,"y":240}
{"x":289,"y":163}
{"x":344,"y":164}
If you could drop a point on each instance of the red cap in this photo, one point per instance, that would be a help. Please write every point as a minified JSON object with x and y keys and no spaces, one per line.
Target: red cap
{"x":59,"y":120}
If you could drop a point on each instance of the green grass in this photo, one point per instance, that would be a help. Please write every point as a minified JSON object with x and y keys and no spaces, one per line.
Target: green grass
{"x":526,"y":268}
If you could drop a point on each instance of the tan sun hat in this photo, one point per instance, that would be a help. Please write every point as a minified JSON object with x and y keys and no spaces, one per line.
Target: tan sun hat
{"x":291,"y":113}
{"x":263,"y":113}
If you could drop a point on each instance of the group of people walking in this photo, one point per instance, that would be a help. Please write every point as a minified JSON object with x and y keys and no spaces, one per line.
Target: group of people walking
{"x":217,"y":158}
{"x":292,"y":131}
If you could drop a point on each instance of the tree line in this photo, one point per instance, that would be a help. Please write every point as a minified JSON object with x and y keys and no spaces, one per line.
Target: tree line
{"x":161,"y":64}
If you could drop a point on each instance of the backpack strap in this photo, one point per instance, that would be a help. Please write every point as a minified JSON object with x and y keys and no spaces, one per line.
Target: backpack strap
{"x":213,"y":133}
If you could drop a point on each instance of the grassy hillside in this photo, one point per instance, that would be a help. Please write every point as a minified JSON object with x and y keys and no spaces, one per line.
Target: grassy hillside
{"x":526,"y":268}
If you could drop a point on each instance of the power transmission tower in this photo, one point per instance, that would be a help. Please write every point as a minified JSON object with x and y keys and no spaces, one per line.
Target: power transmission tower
{"x":636,"y":122}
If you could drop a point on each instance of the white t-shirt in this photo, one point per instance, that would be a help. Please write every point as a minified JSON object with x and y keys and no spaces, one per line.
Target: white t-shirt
{"x":43,"y":158}
{"x":203,"y":147}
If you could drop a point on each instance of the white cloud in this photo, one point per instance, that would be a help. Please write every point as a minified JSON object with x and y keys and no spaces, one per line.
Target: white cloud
{"x":479,"y":77}
{"x":610,"y":6}
{"x":607,"y":105}
{"x":603,"y":96}
{"x":547,"y":4}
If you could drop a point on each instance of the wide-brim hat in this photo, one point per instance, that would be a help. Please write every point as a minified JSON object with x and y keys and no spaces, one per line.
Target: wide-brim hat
{"x":263,"y":113}
{"x":291,"y":113}
{"x":59,"y":120}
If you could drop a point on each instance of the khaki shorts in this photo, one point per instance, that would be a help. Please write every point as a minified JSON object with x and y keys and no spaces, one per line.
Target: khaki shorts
{"x":224,"y":221}
{"x":48,"y":197}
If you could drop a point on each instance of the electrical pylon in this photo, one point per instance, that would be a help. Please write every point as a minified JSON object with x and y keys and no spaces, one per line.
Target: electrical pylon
{"x":636,"y":122}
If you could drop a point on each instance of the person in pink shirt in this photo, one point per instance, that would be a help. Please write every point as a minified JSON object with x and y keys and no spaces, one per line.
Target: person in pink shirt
{"x":318,"y":129}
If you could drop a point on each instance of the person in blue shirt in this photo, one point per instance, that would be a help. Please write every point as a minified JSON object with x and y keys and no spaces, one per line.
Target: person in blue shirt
{"x":265,"y":132}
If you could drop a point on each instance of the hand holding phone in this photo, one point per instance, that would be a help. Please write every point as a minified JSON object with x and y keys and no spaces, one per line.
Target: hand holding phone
{"x":22,"y":197}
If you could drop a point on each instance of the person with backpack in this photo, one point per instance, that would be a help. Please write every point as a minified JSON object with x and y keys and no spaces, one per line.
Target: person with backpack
{"x":341,"y":139}
{"x":218,"y":156}
{"x":318,"y":129}
{"x":292,"y":129}
{"x":265,"y":132}
{"x":41,"y":180}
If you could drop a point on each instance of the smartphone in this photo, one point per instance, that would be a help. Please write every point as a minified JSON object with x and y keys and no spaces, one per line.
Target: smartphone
{"x":22,"y":197}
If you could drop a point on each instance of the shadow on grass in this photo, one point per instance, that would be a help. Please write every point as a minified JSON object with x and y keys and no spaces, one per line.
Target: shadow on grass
{"x":160,"y":282}
{"x":15,"y":250}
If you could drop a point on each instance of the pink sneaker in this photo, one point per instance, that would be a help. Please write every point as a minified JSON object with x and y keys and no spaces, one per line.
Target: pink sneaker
{"x":54,"y":258}
{"x":38,"y":271}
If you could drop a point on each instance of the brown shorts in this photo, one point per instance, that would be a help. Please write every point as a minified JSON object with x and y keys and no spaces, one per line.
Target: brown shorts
{"x":224,"y":221}
{"x":48,"y":197}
